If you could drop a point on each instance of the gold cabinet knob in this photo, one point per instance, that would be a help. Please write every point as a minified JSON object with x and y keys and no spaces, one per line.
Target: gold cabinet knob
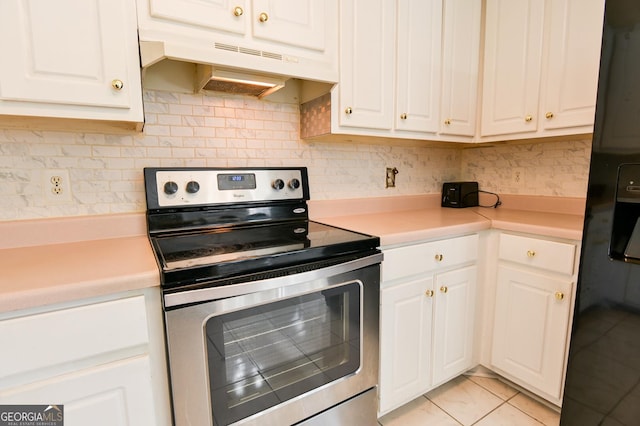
{"x":447,"y":121}
{"x":439,"y":257}
{"x":117,"y":84}
{"x":528,"y":118}
{"x":428,"y":293}
{"x":403,"y":116}
{"x":531,"y":253}
{"x":549,"y":115}
{"x":444,"y":289}
{"x":263,"y":17}
{"x":348,"y":110}
{"x":559,"y":295}
{"x":238,"y":11}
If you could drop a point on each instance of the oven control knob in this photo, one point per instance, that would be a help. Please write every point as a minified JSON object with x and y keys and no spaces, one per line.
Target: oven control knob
{"x":170,"y":188}
{"x":294,"y":183}
{"x":193,"y":187}
{"x":278,"y":184}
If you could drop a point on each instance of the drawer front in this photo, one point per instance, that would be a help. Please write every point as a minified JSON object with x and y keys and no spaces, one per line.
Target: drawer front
{"x":415,"y":259}
{"x":549,"y":255}
{"x":70,"y":335}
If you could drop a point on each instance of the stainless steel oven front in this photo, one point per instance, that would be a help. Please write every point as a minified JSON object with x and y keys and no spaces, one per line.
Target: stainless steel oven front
{"x":277,"y":351}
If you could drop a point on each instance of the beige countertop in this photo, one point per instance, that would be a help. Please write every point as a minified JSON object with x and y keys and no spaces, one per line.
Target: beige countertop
{"x":404,"y":220}
{"x":58,"y":260}
{"x":51,"y":261}
{"x":403,"y":227}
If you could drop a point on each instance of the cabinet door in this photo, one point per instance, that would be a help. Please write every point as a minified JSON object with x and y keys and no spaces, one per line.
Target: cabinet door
{"x":294,"y":22}
{"x":575,"y":32}
{"x":418,"y":44}
{"x":69,"y":52}
{"x":453,"y":323}
{"x":460,"y":65}
{"x":213,"y":14}
{"x":512,"y":66}
{"x":114,"y":394}
{"x":367,"y":57}
{"x":530,"y":327}
{"x":405,"y":339}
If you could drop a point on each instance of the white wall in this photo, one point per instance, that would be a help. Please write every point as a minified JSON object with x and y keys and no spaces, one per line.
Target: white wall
{"x":203,"y":130}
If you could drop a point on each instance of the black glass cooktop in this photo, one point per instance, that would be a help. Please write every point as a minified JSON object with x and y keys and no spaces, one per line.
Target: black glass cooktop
{"x":218,"y":253}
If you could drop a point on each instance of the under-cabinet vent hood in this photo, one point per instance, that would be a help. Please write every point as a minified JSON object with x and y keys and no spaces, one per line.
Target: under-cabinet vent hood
{"x":238,"y":69}
{"x":212,"y":77}
{"x":237,"y":82}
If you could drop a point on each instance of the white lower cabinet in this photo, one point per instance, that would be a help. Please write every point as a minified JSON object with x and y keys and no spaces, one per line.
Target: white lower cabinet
{"x":453,"y":323}
{"x":102,"y":359}
{"x":118,"y":393}
{"x":406,"y":319}
{"x":427,"y":316}
{"x":534,"y":296}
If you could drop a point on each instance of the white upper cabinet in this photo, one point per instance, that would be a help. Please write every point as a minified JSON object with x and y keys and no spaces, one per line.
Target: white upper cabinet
{"x":460,"y":62}
{"x":70,"y":59}
{"x":365,"y":92}
{"x":418,"y":45}
{"x":280,"y":20}
{"x":570,"y":83}
{"x":394,"y":75}
{"x":541,"y":62}
{"x":295,"y":38}
{"x":512,"y":65}
{"x":221,"y":15}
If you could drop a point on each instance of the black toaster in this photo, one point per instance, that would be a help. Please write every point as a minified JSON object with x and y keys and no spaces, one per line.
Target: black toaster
{"x":459,"y":194}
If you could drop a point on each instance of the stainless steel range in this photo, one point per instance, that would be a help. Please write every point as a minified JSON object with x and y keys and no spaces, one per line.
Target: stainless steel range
{"x":271,"y":318}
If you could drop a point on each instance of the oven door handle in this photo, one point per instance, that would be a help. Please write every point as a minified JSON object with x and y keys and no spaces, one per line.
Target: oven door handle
{"x":174,"y":300}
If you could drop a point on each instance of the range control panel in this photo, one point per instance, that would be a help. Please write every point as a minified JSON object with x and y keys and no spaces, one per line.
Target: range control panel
{"x":201,"y":186}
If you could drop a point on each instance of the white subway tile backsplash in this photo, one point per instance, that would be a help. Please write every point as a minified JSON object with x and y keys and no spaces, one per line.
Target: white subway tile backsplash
{"x":183,"y":130}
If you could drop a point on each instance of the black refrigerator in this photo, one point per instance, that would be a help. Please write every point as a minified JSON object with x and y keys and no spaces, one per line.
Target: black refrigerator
{"x":603,"y":377}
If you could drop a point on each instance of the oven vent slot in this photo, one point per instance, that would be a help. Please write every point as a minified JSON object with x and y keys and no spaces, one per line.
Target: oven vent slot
{"x":247,"y":51}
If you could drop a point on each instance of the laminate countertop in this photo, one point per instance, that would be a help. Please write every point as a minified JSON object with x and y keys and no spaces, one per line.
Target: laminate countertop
{"x":406,"y":220}
{"x":49,"y":261}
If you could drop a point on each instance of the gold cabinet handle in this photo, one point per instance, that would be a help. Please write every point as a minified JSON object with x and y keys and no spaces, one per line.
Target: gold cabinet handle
{"x":403,"y":116}
{"x":263,"y":17}
{"x":559,"y":295}
{"x":428,"y":293}
{"x":117,"y":84}
{"x":528,"y":118}
{"x":348,"y":110}
{"x":447,"y":121}
{"x":549,"y":115}
{"x":439,"y":257}
{"x":238,"y":11}
{"x":531,"y":253}
{"x":444,"y":289}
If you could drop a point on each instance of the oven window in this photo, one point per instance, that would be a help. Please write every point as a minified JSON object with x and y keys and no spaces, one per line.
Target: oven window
{"x":265,"y":355}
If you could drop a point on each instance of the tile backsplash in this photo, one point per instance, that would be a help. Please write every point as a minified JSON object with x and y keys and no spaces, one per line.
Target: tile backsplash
{"x":105,"y":170}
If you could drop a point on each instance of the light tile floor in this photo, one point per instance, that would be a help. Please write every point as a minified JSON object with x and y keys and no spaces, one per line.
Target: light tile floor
{"x":473,"y":400}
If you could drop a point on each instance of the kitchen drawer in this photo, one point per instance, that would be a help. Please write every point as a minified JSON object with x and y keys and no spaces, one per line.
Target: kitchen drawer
{"x":418,"y":258}
{"x":65,"y":336}
{"x":543,"y":254}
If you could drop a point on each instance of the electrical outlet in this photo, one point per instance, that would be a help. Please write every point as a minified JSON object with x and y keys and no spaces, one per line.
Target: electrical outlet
{"x":56,"y":185}
{"x":517,"y":176}
{"x":391,"y":177}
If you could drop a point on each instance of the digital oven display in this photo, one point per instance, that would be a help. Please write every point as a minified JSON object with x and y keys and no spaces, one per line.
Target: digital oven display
{"x":236,"y":181}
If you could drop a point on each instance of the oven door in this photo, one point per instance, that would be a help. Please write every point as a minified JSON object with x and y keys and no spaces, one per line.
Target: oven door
{"x":277,"y":356}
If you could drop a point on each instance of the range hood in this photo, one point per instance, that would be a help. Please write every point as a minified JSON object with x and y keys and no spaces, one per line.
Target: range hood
{"x":236,"y":82}
{"x":233,"y":68}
